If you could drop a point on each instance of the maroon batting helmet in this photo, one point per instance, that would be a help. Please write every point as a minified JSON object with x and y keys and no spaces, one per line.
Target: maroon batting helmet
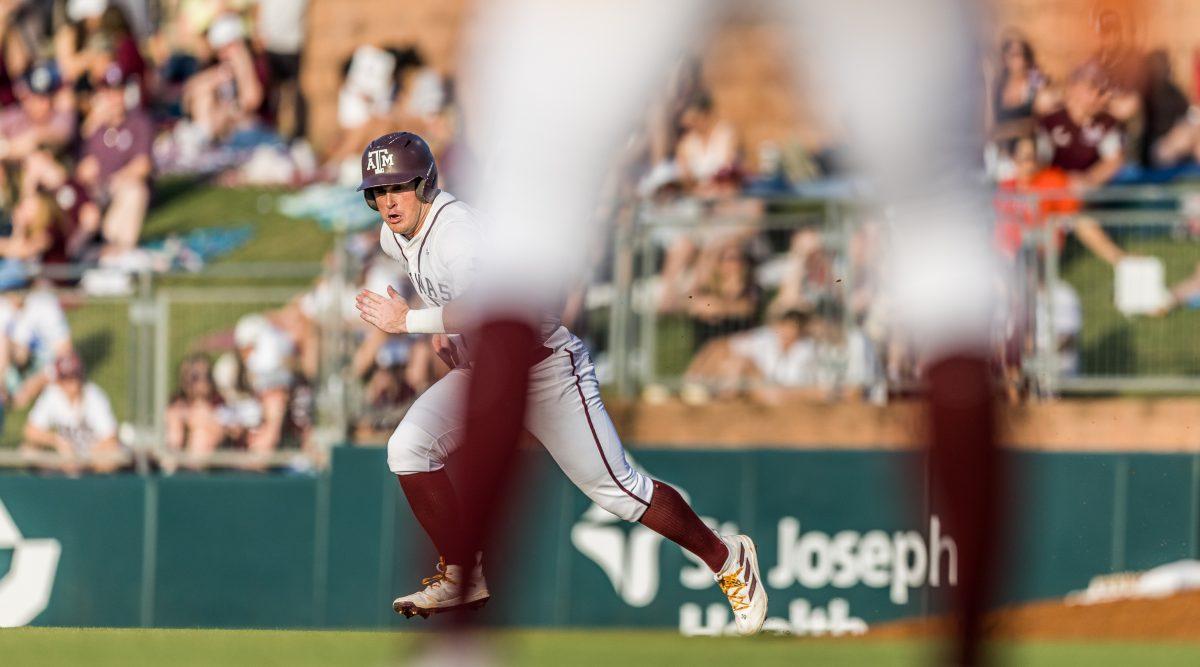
{"x":396,"y":159}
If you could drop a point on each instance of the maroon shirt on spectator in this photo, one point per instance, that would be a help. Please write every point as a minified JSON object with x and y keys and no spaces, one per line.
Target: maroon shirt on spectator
{"x":7,"y":96}
{"x":1078,"y":148}
{"x":115,"y":147}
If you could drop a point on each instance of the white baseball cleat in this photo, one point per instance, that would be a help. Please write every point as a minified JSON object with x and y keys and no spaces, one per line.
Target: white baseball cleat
{"x":742,"y":584}
{"x":446,"y":590}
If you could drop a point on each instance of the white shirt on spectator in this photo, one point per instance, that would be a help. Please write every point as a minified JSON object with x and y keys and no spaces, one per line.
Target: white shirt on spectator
{"x":269,"y":364}
{"x":705,"y":157}
{"x":83,"y":424}
{"x":795,"y":366}
{"x":8,"y":316}
{"x":1067,"y":323}
{"x":281,"y":25}
{"x":41,"y":326}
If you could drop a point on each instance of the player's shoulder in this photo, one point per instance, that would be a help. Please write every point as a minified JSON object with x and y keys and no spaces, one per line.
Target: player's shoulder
{"x":453,"y":210}
{"x":455,"y":218}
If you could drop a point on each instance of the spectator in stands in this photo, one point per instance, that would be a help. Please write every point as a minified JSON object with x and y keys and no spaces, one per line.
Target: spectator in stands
{"x":383,"y":89}
{"x":44,"y":119}
{"x":8,"y":96}
{"x":229,"y":95}
{"x":241,"y":413}
{"x":780,"y":356}
{"x":1058,"y":324}
{"x":73,"y":419}
{"x":1083,"y":140}
{"x":1017,"y":216}
{"x":1017,"y":93}
{"x":268,"y":356}
{"x":35,"y":222}
{"x":1172,"y":124}
{"x":1123,"y":66}
{"x":724,"y":297}
{"x":39,"y":335}
{"x":109,"y":190}
{"x":279,"y":29}
{"x":707,"y":153}
{"x":194,"y":419}
{"x":97,"y":35}
{"x":808,"y":276}
{"x":116,"y":163}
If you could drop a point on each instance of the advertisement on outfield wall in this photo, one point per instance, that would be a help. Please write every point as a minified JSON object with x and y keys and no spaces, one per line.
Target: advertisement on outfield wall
{"x":835,"y":553}
{"x":842,"y":543}
{"x":805,"y":563}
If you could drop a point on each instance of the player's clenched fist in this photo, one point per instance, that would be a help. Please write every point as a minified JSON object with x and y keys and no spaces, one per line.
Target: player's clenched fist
{"x":387,"y":313}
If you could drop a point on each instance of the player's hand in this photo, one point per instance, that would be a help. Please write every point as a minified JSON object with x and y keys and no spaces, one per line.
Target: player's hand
{"x":387,"y":313}
{"x":445,"y":348}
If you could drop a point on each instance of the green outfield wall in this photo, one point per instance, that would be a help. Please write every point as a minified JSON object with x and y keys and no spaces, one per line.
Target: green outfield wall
{"x":844,"y":536}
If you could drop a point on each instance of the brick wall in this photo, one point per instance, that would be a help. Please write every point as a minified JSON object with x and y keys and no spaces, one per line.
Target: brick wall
{"x":746,"y":61}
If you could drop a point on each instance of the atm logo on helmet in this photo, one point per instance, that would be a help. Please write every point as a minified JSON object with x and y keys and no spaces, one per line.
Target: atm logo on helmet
{"x":379,"y":160}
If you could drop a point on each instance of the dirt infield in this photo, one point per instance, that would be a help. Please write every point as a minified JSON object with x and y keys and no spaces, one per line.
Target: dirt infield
{"x":1176,"y":617}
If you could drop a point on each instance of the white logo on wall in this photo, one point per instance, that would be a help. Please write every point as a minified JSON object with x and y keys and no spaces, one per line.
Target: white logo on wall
{"x":25,"y":588}
{"x":899,"y":562}
{"x":379,"y":160}
{"x":630,"y":559}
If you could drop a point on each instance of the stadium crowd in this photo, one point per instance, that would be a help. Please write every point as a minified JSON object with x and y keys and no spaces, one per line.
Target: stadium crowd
{"x":100,"y":101}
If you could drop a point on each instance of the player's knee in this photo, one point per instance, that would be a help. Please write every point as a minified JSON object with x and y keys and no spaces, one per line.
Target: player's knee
{"x":411,"y":450}
{"x":626,"y":494}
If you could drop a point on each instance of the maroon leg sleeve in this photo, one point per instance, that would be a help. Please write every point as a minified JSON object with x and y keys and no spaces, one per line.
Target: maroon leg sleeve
{"x":669,"y":515}
{"x":432,"y":499}
{"x":968,"y":482}
{"x":495,"y":415}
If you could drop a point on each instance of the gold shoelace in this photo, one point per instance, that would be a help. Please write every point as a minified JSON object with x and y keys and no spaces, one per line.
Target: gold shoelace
{"x":732,"y":586}
{"x":438,"y":577}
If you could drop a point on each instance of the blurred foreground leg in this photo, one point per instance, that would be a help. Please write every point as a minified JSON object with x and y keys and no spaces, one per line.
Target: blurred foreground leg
{"x":903,"y":77}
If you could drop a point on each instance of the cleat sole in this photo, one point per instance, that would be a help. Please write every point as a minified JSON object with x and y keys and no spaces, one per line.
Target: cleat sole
{"x":408,"y":610}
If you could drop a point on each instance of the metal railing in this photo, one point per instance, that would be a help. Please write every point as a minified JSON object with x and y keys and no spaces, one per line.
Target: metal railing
{"x":653,"y":336}
{"x":132,"y":346}
{"x":1067,"y":335}
{"x":1062,"y":329}
{"x":1080,"y":340}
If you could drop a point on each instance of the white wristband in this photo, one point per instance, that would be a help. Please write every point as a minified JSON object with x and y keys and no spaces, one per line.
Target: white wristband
{"x":425,"y":321}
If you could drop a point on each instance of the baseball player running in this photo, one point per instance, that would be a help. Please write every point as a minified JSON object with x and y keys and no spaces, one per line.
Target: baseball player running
{"x":438,"y":238}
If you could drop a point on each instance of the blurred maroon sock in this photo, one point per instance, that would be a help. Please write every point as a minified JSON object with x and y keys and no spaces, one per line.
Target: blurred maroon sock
{"x":669,"y":515}
{"x":495,"y":415}
{"x":432,"y":499}
{"x":968,"y":478}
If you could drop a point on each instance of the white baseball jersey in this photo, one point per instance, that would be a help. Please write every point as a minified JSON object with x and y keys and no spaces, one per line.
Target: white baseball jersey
{"x":83,"y":424}
{"x":565,"y":412}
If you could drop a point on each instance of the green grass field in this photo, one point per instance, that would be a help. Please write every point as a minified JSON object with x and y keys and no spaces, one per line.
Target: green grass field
{"x":101,"y":327}
{"x":48,"y":647}
{"x":1113,"y":344}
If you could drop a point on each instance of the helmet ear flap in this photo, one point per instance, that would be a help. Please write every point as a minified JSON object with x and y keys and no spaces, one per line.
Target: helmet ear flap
{"x":369,"y":195}
{"x":426,"y":188}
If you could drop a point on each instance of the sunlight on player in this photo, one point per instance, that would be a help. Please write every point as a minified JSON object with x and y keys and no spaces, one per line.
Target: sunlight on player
{"x":439,"y":239}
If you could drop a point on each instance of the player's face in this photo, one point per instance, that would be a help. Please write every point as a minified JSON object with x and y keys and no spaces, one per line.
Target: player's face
{"x":399,"y":207}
